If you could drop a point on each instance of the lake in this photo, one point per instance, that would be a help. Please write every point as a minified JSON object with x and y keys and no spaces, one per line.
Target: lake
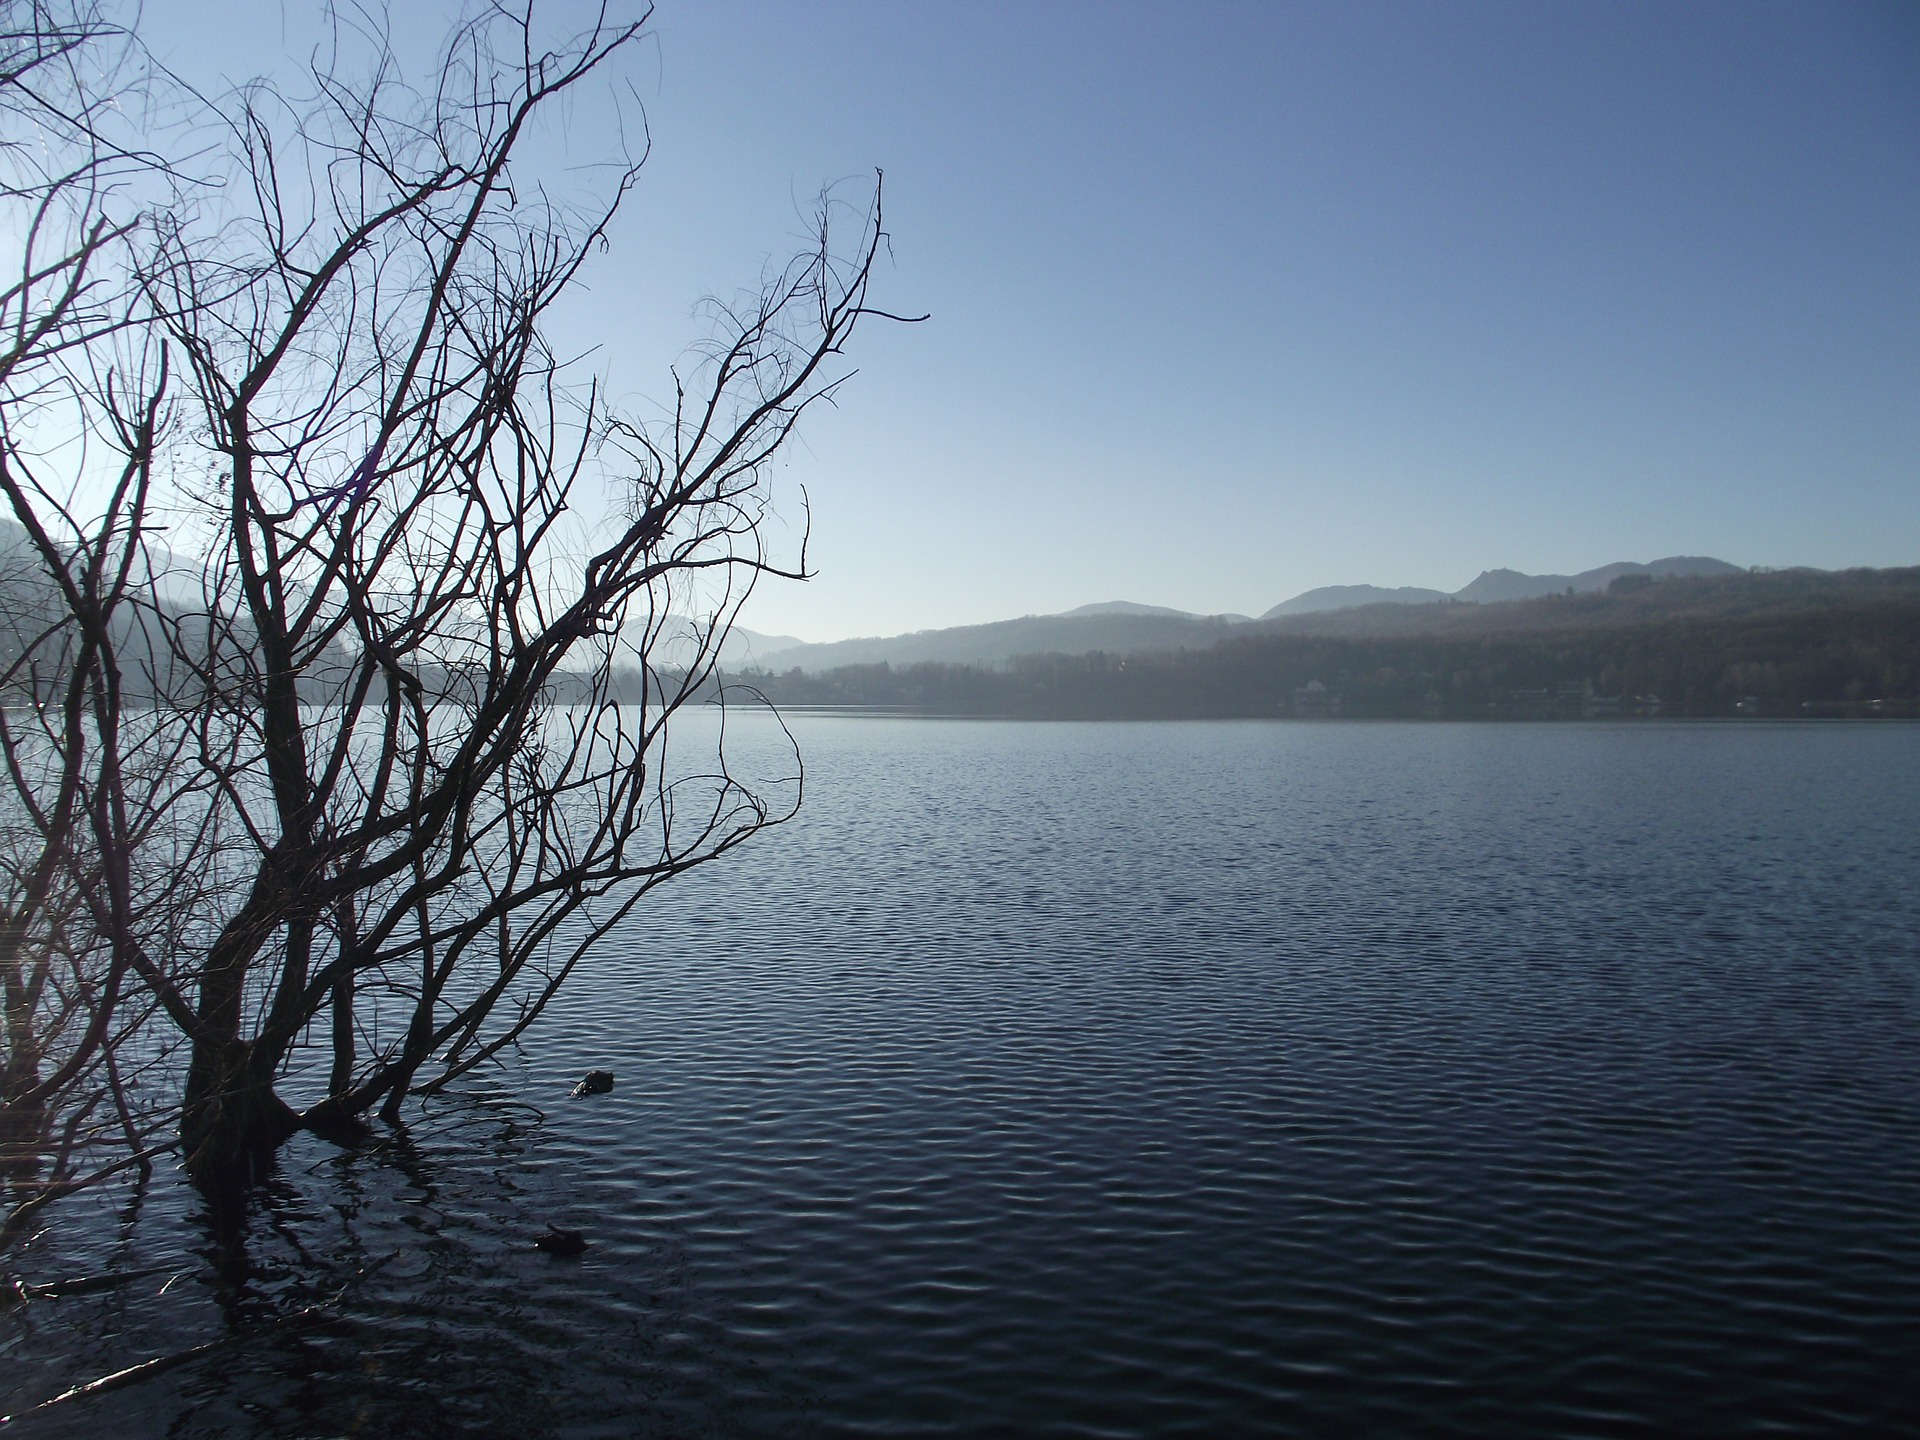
{"x":1113,"y":1080}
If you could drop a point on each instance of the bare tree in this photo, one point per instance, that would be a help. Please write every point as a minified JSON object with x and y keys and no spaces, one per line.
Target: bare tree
{"x":331,"y":795}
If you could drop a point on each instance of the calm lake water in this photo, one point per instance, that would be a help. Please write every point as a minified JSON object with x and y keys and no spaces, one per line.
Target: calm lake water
{"x":1115,"y":1080}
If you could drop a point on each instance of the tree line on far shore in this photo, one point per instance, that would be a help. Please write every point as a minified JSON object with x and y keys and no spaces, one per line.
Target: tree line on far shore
{"x":1775,"y":645}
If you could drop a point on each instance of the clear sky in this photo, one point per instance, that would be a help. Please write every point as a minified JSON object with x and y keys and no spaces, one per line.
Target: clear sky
{"x":1234,"y":300}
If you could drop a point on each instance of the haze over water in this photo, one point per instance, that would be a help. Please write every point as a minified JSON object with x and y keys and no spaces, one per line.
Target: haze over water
{"x":1153,"y":1079}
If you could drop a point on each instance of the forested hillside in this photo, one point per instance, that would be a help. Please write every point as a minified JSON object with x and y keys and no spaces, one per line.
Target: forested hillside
{"x":1792,"y":643}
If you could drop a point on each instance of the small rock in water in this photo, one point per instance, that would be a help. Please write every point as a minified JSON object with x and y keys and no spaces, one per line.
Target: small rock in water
{"x":560,"y":1242}
{"x":597,"y":1082}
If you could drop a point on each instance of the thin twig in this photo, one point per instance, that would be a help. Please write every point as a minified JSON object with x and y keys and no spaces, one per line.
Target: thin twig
{"x":21,"y":1292}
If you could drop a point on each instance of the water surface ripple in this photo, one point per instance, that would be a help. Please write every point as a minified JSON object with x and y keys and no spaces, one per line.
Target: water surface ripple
{"x":1140,"y":1080}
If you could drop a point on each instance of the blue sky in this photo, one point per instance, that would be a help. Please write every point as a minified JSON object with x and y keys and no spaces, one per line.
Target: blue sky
{"x":1233,"y":300}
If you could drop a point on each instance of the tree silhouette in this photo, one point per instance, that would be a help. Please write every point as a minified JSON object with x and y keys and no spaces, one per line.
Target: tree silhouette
{"x":316,"y":785}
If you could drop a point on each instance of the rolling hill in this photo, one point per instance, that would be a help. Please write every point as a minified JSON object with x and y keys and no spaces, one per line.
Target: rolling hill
{"x":1122,"y":627}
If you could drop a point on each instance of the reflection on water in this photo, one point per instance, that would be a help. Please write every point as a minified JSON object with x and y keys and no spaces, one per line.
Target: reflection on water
{"x":1139,"y":1080}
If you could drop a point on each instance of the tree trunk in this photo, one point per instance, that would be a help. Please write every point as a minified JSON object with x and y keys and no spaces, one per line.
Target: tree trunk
{"x":341,"y":1079}
{"x":20,"y":1068}
{"x":231,"y":1124}
{"x":23,"y":1139}
{"x":23,"y":1118}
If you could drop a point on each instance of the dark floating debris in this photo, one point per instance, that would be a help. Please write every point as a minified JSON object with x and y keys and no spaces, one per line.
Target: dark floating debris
{"x":596,"y":1082}
{"x":560,"y":1242}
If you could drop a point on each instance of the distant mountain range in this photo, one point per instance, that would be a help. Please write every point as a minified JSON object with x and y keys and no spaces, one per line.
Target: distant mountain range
{"x":678,"y":645}
{"x":1782,"y":643}
{"x":1110,"y":628}
{"x":1115,"y":627}
{"x":1493,"y":587}
{"x":1125,"y":627}
{"x":1127,"y":607}
{"x":1348,"y":597}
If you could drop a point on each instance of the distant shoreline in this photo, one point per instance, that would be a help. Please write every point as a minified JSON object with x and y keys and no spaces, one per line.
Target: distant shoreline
{"x":906,"y":712}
